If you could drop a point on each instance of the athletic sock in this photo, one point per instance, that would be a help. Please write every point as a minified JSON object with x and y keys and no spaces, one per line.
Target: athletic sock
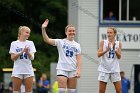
{"x":61,"y":90}
{"x":16,"y":92}
{"x":71,"y":90}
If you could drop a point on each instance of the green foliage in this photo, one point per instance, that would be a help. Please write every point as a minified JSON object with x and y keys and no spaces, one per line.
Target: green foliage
{"x":32,"y":13}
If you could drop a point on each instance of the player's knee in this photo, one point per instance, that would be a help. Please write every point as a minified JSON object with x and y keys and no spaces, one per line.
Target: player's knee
{"x":119,"y":91}
{"x":16,"y":92}
{"x":101,"y":91}
{"x":61,"y":90}
{"x":28,"y":90}
{"x":71,"y":90}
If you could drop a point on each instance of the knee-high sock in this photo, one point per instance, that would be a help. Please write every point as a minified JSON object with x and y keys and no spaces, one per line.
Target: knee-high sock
{"x":71,"y":90}
{"x":61,"y":90}
{"x":16,"y":92}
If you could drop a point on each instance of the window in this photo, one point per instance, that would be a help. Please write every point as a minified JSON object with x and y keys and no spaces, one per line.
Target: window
{"x":110,"y":6}
{"x":119,"y":11}
{"x":134,"y":10}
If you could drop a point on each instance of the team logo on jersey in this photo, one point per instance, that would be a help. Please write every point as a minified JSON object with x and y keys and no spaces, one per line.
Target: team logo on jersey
{"x":19,"y":49}
{"x":69,"y":50}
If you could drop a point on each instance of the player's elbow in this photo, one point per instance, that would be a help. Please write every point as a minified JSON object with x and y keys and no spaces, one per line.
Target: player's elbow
{"x":48,"y":41}
{"x":119,"y":57}
{"x":12,"y":58}
{"x":99,"y":55}
{"x":45,"y":40}
{"x":32,"y":56}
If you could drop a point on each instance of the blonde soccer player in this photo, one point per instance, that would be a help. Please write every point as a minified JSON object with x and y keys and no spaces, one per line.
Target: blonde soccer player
{"x":69,"y":62}
{"x":109,"y":69}
{"x":22,"y":52}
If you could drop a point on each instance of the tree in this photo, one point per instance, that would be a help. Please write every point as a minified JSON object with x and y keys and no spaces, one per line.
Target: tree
{"x":32,"y":13}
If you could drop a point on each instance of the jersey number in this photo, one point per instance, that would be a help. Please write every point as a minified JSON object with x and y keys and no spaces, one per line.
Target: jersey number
{"x":111,"y":54}
{"x":24,"y":55}
{"x":69,"y":53}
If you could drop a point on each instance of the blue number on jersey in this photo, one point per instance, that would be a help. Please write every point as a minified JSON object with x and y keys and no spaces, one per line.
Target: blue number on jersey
{"x":111,"y":54}
{"x":24,"y":55}
{"x":69,"y":53}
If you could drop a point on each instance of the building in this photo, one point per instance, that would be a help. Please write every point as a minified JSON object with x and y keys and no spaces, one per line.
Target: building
{"x":88,"y":17}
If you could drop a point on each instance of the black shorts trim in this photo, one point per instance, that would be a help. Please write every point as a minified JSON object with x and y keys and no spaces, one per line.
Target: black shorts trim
{"x":62,"y":75}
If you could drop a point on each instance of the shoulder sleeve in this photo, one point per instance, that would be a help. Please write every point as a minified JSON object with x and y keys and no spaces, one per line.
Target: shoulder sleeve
{"x":78,"y":49}
{"x":12,"y":48}
{"x":32,"y":48}
{"x":57,"y":41}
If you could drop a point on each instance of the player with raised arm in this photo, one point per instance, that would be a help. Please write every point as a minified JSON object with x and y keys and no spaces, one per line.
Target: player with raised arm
{"x":69,"y":62}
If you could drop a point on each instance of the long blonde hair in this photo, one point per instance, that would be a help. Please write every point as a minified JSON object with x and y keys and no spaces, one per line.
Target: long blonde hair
{"x":22,"y":28}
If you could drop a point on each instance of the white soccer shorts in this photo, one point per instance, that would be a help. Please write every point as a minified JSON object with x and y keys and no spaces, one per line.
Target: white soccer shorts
{"x":113,"y":77}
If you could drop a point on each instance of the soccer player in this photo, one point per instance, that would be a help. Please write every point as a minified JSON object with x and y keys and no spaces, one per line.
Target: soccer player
{"x":22,"y":52}
{"x":109,"y":69}
{"x":69,"y":62}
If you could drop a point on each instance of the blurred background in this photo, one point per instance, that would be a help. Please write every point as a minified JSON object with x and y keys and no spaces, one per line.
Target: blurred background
{"x":31,"y":13}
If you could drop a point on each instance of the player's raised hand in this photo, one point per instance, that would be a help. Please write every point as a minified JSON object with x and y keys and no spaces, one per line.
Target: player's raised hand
{"x":45,"y":24}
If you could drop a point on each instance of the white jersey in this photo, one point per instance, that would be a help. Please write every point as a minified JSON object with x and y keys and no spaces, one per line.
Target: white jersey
{"x":109,"y":62}
{"x":23,"y":64}
{"x":67,"y":54}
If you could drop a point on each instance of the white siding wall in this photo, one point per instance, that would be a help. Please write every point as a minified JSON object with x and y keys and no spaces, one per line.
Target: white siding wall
{"x":87,"y":36}
{"x":84,"y":15}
